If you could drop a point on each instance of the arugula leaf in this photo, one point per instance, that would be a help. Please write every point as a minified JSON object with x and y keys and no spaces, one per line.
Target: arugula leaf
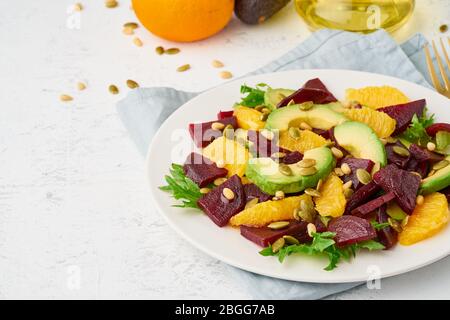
{"x":253,"y":96}
{"x":181,"y":187}
{"x":379,"y":226}
{"x":416,"y":132}
{"x":323,"y":244}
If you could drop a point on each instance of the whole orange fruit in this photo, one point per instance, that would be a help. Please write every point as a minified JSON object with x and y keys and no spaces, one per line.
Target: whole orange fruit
{"x":184,"y":20}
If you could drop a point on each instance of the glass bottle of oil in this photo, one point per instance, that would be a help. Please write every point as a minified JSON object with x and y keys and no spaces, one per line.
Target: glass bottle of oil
{"x":355,"y":15}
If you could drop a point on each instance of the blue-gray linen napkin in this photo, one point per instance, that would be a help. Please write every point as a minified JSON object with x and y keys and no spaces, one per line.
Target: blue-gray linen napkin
{"x":144,"y":110}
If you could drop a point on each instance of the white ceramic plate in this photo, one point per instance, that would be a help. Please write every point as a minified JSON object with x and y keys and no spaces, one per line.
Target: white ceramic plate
{"x":226,"y":244}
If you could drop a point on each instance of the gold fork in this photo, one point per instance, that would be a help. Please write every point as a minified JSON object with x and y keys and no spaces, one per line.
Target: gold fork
{"x":444,"y":90}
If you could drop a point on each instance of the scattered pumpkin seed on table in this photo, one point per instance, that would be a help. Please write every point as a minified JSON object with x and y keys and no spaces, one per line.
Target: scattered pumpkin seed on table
{"x":113,"y":89}
{"x":128,"y":31}
{"x":78,"y":6}
{"x":172,"y":51}
{"x":217,"y":64}
{"x":138,"y":42}
{"x":65,"y":98}
{"x":226,"y":75}
{"x":132,"y":25}
{"x":159,"y":50}
{"x":111,"y":4}
{"x":183,"y":68}
{"x":81,"y":86}
{"x":132,"y":84}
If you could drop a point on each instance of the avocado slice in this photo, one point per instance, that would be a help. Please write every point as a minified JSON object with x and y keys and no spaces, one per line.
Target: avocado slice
{"x":361,"y":141}
{"x":273,"y":96}
{"x":319,"y":117}
{"x":265,"y":173}
{"x":257,"y":11}
{"x":438,"y":181}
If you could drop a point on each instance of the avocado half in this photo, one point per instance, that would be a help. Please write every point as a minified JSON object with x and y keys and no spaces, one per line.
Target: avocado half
{"x":265,"y":173}
{"x":257,"y":11}
{"x":438,"y":181}
{"x":360,"y":141}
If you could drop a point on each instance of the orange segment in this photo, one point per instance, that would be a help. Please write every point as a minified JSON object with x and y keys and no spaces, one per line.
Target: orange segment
{"x":376,"y":97}
{"x":229,"y":152}
{"x":332,"y":200}
{"x":308,"y":140}
{"x":426,"y":220}
{"x":248,"y":118}
{"x":380,"y":122}
{"x":266,"y":212}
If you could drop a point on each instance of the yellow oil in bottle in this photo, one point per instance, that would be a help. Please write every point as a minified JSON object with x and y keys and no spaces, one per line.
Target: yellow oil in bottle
{"x":355,"y":15}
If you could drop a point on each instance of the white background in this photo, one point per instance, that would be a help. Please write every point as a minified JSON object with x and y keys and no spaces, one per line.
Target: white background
{"x":76,"y":220}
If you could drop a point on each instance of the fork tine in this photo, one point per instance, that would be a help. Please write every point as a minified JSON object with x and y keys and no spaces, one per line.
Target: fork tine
{"x":431,"y":70}
{"x":441,"y":66}
{"x":445,"y":52}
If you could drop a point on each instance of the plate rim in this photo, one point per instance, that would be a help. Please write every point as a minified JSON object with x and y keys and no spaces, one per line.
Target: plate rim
{"x":243,"y":267}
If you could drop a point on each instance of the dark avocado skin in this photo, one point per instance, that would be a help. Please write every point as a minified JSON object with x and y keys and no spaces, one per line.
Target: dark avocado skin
{"x":257,"y":11}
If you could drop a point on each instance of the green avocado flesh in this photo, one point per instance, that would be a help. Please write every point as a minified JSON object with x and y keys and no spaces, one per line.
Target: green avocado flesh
{"x":273,"y":96}
{"x":265,"y":173}
{"x":319,"y":117}
{"x":438,"y":181}
{"x":361,"y":141}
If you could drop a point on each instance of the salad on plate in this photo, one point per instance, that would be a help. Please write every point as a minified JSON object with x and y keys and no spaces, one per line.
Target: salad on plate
{"x":299,"y":172}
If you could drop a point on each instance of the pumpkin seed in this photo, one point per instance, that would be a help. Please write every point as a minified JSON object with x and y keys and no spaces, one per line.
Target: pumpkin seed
{"x":228,"y":132}
{"x":338,"y":172}
{"x":307,"y":171}
{"x":217,"y":64}
{"x":259,"y":108}
{"x":337,"y":153}
{"x":138,"y":42}
{"x":285,"y":169}
{"x":251,"y":203}
{"x":305,"y":126}
{"x":184,"y":67}
{"x":307,"y":163}
{"x":443,"y":28}
{"x":226,"y":75}
{"x":278,"y":155}
{"x":294,"y":132}
{"x":77,"y":7}
{"x":265,"y":110}
{"x":81,"y":86}
{"x":172,"y":51}
{"x":264,"y":116}
{"x":348,"y":193}
{"x":269,"y":135}
{"x":363,"y":176}
{"x":292,"y":102}
{"x":420,"y":199}
{"x":348,"y":184}
{"x":278,"y":225}
{"x":132,"y":25}
{"x":279,"y":194}
{"x":111,"y":4}
{"x":65,"y":98}
{"x":400,"y":151}
{"x":395,"y":224}
{"x":325,"y":220}
{"x":311,"y":229}
{"x":306,"y":105}
{"x":391,"y":140}
{"x":404,"y":222}
{"x":290,"y":239}
{"x":132,"y":84}
{"x":305,"y":215}
{"x":219,"y":181}
{"x":376,"y":167}
{"x":128,"y":31}
{"x":319,"y":184}
{"x":159,"y":50}
{"x":228,"y":193}
{"x":217,"y":126}
{"x":440,"y":165}
{"x":113,"y":89}
{"x":312,"y":192}
{"x":278,"y":245}
{"x":431,"y":146}
{"x":346,"y":168}
{"x":295,"y":214}
{"x":205,"y":190}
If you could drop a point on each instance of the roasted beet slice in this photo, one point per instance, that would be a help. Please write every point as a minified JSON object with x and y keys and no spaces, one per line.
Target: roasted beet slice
{"x":265,"y":236}
{"x":313,"y":90}
{"x":326,"y":134}
{"x":350,"y":230}
{"x":356,"y":164}
{"x":218,"y":208}
{"x":402,"y":183}
{"x":366,"y":209}
{"x":203,"y":134}
{"x":434,"y":128}
{"x":224,"y":114}
{"x":292,"y":157}
{"x":201,"y":170}
{"x":395,"y":158}
{"x":362,"y":195}
{"x":252,"y":191}
{"x":387,"y":235}
{"x":261,"y":146}
{"x":422,"y":154}
{"x":403,"y":113}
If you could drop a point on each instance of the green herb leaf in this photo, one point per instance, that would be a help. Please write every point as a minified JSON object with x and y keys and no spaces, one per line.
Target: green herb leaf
{"x":416,"y":132}
{"x":370,"y":245}
{"x":379,"y":226}
{"x":253,"y":96}
{"x":181,"y":187}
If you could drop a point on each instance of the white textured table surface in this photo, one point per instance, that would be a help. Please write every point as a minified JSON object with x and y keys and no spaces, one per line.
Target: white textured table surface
{"x":75,"y":216}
